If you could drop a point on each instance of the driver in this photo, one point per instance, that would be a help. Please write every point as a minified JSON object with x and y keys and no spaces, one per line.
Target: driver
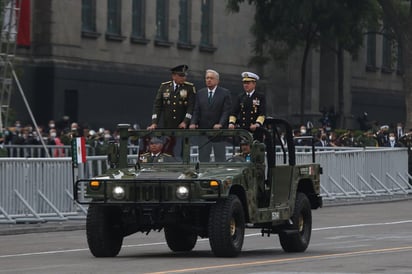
{"x":244,"y":155}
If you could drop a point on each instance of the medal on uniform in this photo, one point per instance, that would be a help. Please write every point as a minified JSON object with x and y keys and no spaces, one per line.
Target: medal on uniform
{"x":183,"y":93}
{"x":166,"y":94}
{"x":168,"y":102}
{"x":256,"y":102}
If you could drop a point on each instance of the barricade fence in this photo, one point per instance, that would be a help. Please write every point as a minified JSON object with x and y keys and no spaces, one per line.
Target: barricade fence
{"x":41,"y":189}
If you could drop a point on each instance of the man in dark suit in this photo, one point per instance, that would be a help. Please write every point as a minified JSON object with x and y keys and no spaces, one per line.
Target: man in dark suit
{"x":250,"y":108}
{"x":212,"y":109}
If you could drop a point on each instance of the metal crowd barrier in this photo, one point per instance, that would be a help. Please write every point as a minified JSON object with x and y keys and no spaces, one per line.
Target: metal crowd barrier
{"x":40,"y":189}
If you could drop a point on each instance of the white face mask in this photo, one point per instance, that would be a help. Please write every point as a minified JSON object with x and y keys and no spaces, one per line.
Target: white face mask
{"x":51,"y":125}
{"x":107,"y":136}
{"x":53,"y":134}
{"x":303,"y":131}
{"x":392,"y":138}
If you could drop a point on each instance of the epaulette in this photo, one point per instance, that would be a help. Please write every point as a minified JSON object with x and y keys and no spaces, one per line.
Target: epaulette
{"x":167,"y":155}
{"x":145,"y":154}
{"x":188,"y":83}
{"x":168,"y":82}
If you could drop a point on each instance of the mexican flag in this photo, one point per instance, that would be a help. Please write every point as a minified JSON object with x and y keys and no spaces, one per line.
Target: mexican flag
{"x":79,"y":150}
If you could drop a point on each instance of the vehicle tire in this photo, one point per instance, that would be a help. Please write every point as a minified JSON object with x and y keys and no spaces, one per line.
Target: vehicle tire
{"x":103,"y":230}
{"x":302,"y":222}
{"x":180,"y":240}
{"x":227,"y":227}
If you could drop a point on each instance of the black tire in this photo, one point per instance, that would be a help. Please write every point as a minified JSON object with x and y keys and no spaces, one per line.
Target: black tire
{"x":180,"y":240}
{"x":302,"y":222}
{"x":227,"y":227}
{"x":103,"y":230}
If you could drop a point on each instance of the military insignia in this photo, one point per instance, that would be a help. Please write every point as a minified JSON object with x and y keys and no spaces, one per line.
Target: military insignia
{"x":166,"y":94}
{"x":168,"y":102}
{"x":256,"y":102}
{"x":160,"y":160}
{"x":143,"y":159}
{"x":183,"y":93}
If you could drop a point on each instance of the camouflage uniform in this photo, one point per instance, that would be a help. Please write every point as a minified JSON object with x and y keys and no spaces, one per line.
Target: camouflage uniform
{"x":162,"y":157}
{"x":174,"y":106}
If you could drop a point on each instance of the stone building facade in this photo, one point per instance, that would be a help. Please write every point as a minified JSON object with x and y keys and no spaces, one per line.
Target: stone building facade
{"x":101,"y":63}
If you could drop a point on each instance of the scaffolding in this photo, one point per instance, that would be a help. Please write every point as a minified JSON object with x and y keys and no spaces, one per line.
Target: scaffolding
{"x":9,"y":18}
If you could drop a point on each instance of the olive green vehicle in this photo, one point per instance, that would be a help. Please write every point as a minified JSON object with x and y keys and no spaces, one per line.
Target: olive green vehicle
{"x":215,"y":200}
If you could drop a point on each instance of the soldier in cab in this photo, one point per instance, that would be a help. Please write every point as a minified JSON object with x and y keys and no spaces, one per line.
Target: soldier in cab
{"x":155,"y":153}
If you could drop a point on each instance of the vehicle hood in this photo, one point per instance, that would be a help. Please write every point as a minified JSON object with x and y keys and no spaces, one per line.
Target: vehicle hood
{"x":154,"y":173}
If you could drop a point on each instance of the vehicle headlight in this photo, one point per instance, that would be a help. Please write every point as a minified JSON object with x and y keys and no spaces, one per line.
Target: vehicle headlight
{"x":182,"y":192}
{"x":118,"y":193}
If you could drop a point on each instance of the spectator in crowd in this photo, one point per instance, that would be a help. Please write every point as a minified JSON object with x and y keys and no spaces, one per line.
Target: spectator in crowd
{"x":393,"y":141}
{"x":298,"y":134}
{"x":399,"y":130}
{"x":383,"y":135}
{"x":367,"y":139}
{"x":348,"y":139}
{"x":212,"y":108}
{"x":363,"y":121}
{"x":54,"y":140}
{"x":322,"y":140}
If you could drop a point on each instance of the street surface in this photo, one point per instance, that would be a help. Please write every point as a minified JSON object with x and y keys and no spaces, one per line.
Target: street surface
{"x":367,"y":238}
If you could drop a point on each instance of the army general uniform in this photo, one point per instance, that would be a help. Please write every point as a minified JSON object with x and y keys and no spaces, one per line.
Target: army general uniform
{"x":249,"y":110}
{"x":174,"y":103}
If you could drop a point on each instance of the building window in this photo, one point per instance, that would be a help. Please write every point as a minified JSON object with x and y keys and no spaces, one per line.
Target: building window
{"x":185,"y":25}
{"x":206,"y":27}
{"x":139,"y":22}
{"x":114,"y":19}
{"x":371,"y":51}
{"x":162,"y":23}
{"x":89,"y":18}
{"x":386,"y":53}
{"x":399,"y":63}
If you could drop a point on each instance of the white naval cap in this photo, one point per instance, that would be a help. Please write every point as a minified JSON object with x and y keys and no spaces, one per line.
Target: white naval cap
{"x":249,"y":76}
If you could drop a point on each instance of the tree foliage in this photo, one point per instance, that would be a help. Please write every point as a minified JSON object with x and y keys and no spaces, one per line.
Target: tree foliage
{"x":282,"y":26}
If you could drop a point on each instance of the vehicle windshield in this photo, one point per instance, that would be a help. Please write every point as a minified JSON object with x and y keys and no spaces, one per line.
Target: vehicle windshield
{"x":192,"y":146}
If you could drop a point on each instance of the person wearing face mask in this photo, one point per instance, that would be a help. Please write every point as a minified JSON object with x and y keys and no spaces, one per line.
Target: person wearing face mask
{"x":393,"y":142}
{"x":54,"y":140}
{"x":322,"y":140}
{"x":301,"y":133}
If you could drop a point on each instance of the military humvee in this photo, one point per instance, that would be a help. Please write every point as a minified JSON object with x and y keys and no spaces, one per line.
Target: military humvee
{"x":190,"y":199}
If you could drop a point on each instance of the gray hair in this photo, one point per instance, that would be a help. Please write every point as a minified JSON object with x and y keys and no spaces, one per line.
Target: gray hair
{"x":214,"y":72}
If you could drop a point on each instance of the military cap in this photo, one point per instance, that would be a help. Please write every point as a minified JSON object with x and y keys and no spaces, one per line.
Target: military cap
{"x":244,"y":141}
{"x":180,"y":69}
{"x":249,"y":76}
{"x":156,"y":140}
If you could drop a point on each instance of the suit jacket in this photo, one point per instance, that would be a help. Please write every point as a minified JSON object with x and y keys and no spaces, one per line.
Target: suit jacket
{"x":206,"y":114}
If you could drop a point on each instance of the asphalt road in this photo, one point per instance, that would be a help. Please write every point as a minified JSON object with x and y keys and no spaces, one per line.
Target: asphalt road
{"x":367,"y":238}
